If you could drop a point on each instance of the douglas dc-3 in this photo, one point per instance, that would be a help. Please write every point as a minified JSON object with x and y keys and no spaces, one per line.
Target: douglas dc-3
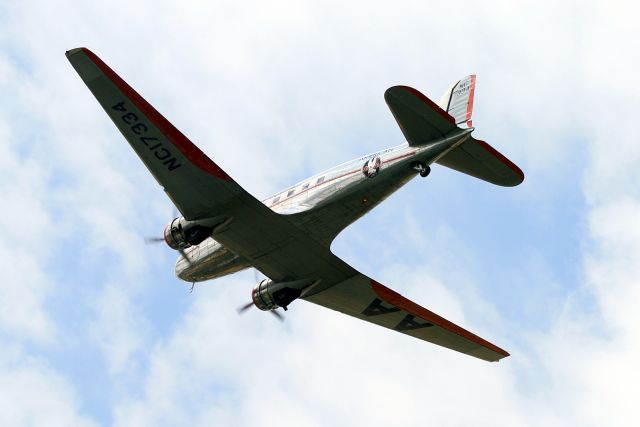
{"x":224,"y":229}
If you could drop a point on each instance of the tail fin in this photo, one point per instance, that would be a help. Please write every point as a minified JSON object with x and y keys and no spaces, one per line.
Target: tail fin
{"x":458,"y":101}
{"x":475,"y":157}
{"x":423,"y":121}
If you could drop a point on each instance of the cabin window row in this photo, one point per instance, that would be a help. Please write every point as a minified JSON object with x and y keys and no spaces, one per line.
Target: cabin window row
{"x":293,"y":190}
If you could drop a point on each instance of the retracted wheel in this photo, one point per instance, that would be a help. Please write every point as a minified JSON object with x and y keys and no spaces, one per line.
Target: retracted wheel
{"x":422,"y":168}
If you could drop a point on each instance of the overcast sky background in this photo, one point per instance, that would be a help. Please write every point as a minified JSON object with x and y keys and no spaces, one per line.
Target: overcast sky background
{"x":96,"y":330}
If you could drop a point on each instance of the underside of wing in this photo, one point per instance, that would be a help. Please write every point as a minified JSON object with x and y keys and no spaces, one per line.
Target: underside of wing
{"x":197,"y":186}
{"x":366,"y":299}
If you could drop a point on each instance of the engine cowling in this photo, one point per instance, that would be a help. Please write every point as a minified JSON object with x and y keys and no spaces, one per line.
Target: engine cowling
{"x":270,"y":295}
{"x":181,"y":234}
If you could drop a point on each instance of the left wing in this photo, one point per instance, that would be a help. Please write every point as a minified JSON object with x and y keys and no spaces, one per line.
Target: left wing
{"x":269,"y":241}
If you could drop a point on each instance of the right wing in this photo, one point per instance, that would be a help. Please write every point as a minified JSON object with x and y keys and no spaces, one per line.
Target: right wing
{"x":368,"y":300}
{"x":197,"y":186}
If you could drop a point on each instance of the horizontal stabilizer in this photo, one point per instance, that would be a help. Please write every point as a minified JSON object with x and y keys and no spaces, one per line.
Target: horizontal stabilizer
{"x":420,"y":119}
{"x":479,"y":159}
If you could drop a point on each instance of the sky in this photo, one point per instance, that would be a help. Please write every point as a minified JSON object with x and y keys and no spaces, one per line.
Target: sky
{"x":95,"y":330}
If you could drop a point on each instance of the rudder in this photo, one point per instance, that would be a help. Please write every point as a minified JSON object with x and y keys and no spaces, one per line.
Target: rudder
{"x":458,"y":101}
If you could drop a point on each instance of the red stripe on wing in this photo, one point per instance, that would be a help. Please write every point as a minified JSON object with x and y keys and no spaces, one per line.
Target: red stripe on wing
{"x":394,"y":298}
{"x":498,"y":155}
{"x":177,"y":138}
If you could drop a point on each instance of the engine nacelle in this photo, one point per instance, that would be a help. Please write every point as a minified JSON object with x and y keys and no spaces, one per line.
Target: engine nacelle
{"x":269,"y":295}
{"x":180,"y":233}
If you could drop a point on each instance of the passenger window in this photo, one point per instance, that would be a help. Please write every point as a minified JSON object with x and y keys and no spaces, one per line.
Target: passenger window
{"x":320,"y":180}
{"x":276,"y":200}
{"x":304,"y":187}
{"x":291,"y":192}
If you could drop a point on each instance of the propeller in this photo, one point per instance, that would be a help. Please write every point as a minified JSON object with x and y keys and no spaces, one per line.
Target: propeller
{"x":244,"y":307}
{"x":153,"y":240}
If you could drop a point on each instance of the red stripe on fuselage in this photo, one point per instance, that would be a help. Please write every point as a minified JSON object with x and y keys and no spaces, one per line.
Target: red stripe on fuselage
{"x":177,"y":138}
{"x":293,"y":196}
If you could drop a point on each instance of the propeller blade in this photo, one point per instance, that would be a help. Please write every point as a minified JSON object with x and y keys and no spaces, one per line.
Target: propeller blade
{"x":279,"y":316}
{"x":152,"y":240}
{"x":244,"y":307}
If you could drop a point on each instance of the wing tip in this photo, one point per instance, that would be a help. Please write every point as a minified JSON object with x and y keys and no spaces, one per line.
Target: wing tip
{"x":489,"y":355}
{"x":484,"y":350}
{"x":76,"y":50}
{"x":181,"y":142}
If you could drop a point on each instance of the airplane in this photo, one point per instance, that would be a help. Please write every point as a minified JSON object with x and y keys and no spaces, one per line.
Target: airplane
{"x":287,"y":237}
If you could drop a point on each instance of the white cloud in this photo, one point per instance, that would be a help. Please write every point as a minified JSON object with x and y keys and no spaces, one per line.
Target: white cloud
{"x":319,"y":367}
{"x":24,"y":286}
{"x":34,"y":394}
{"x":119,"y":328}
{"x":300,"y":84}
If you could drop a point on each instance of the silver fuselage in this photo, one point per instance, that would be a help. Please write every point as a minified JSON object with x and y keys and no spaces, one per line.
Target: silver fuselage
{"x":326,"y":203}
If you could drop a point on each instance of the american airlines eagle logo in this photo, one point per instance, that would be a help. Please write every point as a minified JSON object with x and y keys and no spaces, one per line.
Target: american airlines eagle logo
{"x":372,"y":167}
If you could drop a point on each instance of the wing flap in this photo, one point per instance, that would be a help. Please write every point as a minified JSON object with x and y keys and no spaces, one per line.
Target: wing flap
{"x":368,"y":300}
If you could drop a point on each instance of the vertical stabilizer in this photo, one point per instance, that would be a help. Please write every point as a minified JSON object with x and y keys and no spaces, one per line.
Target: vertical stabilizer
{"x":458,"y":101}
